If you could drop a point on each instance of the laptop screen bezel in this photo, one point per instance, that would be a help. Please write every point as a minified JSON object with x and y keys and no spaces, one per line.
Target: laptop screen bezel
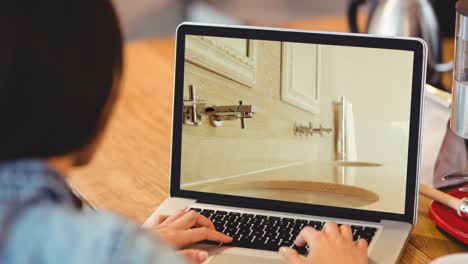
{"x":340,"y":39}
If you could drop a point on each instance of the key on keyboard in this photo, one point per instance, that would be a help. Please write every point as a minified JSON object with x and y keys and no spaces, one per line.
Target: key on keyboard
{"x":269,"y":232}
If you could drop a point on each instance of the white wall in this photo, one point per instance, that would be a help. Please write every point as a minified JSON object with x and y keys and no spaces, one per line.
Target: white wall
{"x":378,"y":84}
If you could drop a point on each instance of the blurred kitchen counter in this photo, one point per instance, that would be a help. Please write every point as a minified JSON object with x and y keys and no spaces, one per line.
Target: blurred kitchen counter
{"x":129,"y":174}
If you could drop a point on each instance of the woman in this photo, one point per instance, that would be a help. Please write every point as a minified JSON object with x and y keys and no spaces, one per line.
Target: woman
{"x":60,"y":67}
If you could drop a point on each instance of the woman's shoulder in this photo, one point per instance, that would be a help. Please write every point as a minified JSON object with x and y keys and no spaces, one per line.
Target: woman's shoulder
{"x":65,"y":234}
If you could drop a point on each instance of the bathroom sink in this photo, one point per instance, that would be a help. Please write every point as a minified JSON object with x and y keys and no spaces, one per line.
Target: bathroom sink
{"x":357,"y":164}
{"x":331,"y":194}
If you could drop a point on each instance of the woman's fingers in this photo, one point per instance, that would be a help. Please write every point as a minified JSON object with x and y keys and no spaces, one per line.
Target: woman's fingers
{"x":290,"y":256}
{"x":193,"y":219}
{"x":306,"y":236}
{"x":175,"y":216}
{"x":331,"y":228}
{"x":362,"y":244}
{"x":309,"y":235}
{"x":203,"y":233}
{"x":183,"y":238}
{"x":194,"y":256}
{"x":160,"y":219}
{"x":346,"y":232}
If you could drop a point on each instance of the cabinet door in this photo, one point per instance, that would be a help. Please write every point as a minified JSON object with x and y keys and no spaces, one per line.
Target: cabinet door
{"x":233,"y":58}
{"x":300,"y":74}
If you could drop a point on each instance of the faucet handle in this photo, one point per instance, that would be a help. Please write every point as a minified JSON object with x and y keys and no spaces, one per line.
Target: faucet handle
{"x":193,"y":100}
{"x":218,"y":114}
{"x":194,"y":109}
{"x":245,"y":114}
{"x":192,"y":105}
{"x":242,"y":116}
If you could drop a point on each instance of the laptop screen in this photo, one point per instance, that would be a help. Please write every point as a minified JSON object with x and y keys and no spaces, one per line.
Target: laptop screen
{"x":297,"y":122}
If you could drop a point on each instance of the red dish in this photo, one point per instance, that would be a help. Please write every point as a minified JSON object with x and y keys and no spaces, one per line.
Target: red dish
{"x":448,"y":220}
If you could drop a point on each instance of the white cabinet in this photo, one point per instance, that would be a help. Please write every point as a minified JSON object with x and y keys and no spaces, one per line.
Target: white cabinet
{"x":233,"y":58}
{"x":300,"y":75}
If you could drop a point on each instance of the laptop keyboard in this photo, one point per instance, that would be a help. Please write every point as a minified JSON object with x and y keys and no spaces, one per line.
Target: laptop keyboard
{"x":268,"y":232}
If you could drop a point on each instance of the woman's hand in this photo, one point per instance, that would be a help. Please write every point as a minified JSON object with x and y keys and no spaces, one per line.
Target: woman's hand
{"x":331,"y":245}
{"x":185,"y":228}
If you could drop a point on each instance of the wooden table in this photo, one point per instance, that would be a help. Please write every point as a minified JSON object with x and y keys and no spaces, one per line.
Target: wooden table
{"x":129,"y":174}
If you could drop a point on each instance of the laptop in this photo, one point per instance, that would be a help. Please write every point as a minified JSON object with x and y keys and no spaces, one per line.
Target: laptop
{"x":277,"y":129}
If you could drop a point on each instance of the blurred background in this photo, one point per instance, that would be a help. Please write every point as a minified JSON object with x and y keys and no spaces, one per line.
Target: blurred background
{"x":156,"y":18}
{"x":431,"y":20}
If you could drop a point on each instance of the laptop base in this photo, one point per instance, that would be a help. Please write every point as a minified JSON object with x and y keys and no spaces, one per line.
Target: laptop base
{"x":386,"y":246}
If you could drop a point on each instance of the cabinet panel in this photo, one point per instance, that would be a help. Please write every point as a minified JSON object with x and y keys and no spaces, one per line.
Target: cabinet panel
{"x":233,"y":58}
{"x":299,"y":76}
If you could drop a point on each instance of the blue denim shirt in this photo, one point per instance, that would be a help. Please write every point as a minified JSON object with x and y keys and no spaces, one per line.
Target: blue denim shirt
{"x":41,"y":221}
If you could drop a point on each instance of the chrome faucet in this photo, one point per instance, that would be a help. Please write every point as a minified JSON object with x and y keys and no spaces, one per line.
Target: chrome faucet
{"x":194,"y":109}
{"x":218,"y":114}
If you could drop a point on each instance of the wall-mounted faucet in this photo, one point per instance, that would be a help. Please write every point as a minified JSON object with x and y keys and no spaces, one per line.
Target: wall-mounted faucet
{"x":218,"y":114}
{"x":301,"y":129}
{"x":194,"y":109}
{"x":191,"y":115}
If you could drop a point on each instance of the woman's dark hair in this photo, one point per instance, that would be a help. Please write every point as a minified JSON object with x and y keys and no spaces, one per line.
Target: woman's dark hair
{"x":60,"y":61}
